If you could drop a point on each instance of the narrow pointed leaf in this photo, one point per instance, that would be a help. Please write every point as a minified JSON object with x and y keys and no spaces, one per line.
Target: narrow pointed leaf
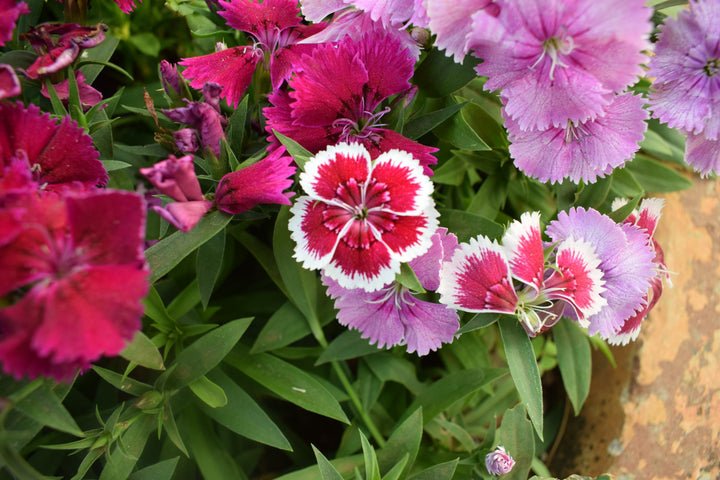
{"x":327,"y":471}
{"x":209,"y":392}
{"x":122,"y":382}
{"x":43,"y":406}
{"x":404,"y":442}
{"x":515,"y":434}
{"x":443,"y":471}
{"x":163,"y":470}
{"x":208,"y":265}
{"x":120,"y":465}
{"x":348,"y":344}
{"x":142,"y":351}
{"x":574,"y":360}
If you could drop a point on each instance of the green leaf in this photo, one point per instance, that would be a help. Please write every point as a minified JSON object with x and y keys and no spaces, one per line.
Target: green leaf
{"x":121,"y":382}
{"x":287,"y":381}
{"x":387,"y":367}
{"x":467,"y":225}
{"x":236,"y":126}
{"x":457,"y":132}
{"x":285,"y":326}
{"x":155,"y":309}
{"x":327,"y":471}
{"x":120,"y":464}
{"x":524,"y":369}
{"x":397,"y":470}
{"x":443,"y":471}
{"x":92,"y":60}
{"x":574,"y":360}
{"x":168,"y":252}
{"x":439,"y":75}
{"x":146,"y":42}
{"x":203,"y":354}
{"x":163,"y":470}
{"x":171,"y":428}
{"x":653,"y":176}
{"x":43,"y":406}
{"x":243,"y":415}
{"x":451,"y":388}
{"x":407,"y":278}
{"x":458,"y":432}
{"x":403,"y":443}
{"x":372,"y":469}
{"x":142,"y":351}
{"x":348,"y":344}
{"x":298,"y":152}
{"x":212,"y":394}
{"x":58,"y":107}
{"x":265,"y":257}
{"x":516,"y":435}
{"x":622,"y":213}
{"x":208,"y":265}
{"x":485,"y":125}
{"x":478,"y":321}
{"x":624,"y":184}
{"x":112,"y":165}
{"x":13,"y":461}
{"x":594,"y":194}
{"x":185,"y":300}
{"x":419,"y":126}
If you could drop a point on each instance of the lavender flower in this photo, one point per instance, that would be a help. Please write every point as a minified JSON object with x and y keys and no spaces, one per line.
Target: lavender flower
{"x":499,"y":462}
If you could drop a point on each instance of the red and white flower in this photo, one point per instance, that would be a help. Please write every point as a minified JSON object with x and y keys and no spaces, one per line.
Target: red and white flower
{"x":362,"y":218}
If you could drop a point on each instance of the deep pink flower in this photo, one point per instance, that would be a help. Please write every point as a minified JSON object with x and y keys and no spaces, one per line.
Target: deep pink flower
{"x":57,"y":55}
{"x":204,"y":117}
{"x":499,"y":462}
{"x":9,"y":83}
{"x":581,"y":151}
{"x":559,"y":61}
{"x":276,"y":28}
{"x":394,"y":315}
{"x":361,"y":218}
{"x":10,"y":10}
{"x":88,"y":95}
{"x":59,"y":153}
{"x":336,"y":94}
{"x":81,"y":257}
{"x":262,"y":182}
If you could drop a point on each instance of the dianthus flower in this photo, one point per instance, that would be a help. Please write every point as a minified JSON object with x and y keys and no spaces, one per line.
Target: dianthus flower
{"x":277,"y":31}
{"x":9,"y":83}
{"x":626,"y":261}
{"x":89,"y":96}
{"x":581,"y":151}
{"x":57,"y":55}
{"x":646,"y":217}
{"x":58,"y":153}
{"x":10,"y":10}
{"x":479,"y":277}
{"x":394,"y":315}
{"x":499,"y":462}
{"x":559,"y":61}
{"x":361,"y":218}
{"x":452,"y":23}
{"x":80,"y":257}
{"x":336,"y":94}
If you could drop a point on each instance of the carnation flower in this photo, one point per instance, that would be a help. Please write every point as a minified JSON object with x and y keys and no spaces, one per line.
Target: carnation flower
{"x":277,"y":31}
{"x":336,"y":94}
{"x":625,"y":259}
{"x":394,"y":315}
{"x":702,"y":154}
{"x":452,"y":22}
{"x":581,"y":151}
{"x":57,"y":55}
{"x":559,"y":61}
{"x":204,"y":118}
{"x":499,"y":462}
{"x":361,"y":218}
{"x":81,"y":258}
{"x":59,"y":154}
{"x":10,"y":10}
{"x":261,"y":182}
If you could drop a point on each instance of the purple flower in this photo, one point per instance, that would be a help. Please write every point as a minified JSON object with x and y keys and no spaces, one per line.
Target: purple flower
{"x":89,"y":96}
{"x":453,"y":25}
{"x":559,"y":61}
{"x":581,"y":151}
{"x":499,"y":462}
{"x":277,"y":31}
{"x":336,"y":94}
{"x":9,"y":83}
{"x":261,"y":182}
{"x":626,"y":261}
{"x":204,"y":118}
{"x":702,"y":154}
{"x":394,"y":315}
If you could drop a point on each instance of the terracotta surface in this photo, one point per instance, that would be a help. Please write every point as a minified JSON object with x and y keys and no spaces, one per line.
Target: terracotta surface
{"x":657,"y":415}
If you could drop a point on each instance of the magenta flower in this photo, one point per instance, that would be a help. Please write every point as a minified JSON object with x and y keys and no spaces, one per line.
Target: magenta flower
{"x":686,"y":66}
{"x":581,"y":151}
{"x":479,"y":277}
{"x":88,"y":95}
{"x":59,"y":153}
{"x":57,"y":55}
{"x":336,"y":94}
{"x":499,"y":462}
{"x":10,"y":11}
{"x":559,"y":61}
{"x":9,"y":83}
{"x":80,"y":257}
{"x":646,"y":217}
{"x":204,"y":118}
{"x":394,"y":315}
{"x":277,"y":31}
{"x":361,"y":218}
{"x":626,"y":261}
{"x":261,"y":182}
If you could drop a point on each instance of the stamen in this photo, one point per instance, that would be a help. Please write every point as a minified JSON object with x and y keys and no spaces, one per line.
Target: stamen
{"x":553,"y":47}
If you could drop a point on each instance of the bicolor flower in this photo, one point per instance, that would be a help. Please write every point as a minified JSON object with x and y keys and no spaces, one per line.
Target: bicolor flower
{"x":276,"y":29}
{"x":625,"y":259}
{"x":79,"y":257}
{"x":361,"y":218}
{"x":581,"y":151}
{"x":395,"y":315}
{"x":499,"y":462}
{"x":58,"y":153}
{"x":175,"y":177}
{"x":480,"y":277}
{"x":336,"y":95}
{"x":646,"y":217}
{"x":262,"y":182}
{"x":10,"y":11}
{"x":558,"y":61}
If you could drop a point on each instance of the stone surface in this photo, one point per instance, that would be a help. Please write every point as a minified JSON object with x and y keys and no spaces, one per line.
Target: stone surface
{"x":657,"y":415}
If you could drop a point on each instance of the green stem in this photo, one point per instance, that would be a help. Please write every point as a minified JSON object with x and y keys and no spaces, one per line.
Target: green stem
{"x":17,"y":396}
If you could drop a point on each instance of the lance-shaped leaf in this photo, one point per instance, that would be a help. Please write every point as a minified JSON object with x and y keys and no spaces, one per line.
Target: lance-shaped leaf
{"x":574,"y":360}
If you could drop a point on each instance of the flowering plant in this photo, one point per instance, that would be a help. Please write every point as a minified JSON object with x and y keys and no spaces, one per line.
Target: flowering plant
{"x":238,"y":237}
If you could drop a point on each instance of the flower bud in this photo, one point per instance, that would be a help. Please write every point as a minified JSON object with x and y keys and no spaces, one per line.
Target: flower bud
{"x":499,"y":462}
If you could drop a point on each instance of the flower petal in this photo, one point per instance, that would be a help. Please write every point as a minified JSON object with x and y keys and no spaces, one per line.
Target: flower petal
{"x":524,"y":248}
{"x":326,"y":174}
